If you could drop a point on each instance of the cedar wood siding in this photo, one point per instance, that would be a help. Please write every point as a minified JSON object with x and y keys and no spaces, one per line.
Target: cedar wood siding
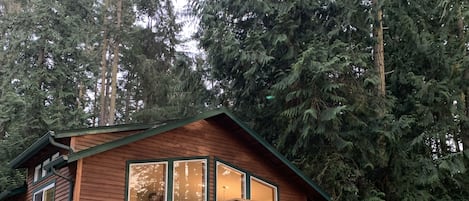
{"x":103,"y":174}
{"x":87,"y":141}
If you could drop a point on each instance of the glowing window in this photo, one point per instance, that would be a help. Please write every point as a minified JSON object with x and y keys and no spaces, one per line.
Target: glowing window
{"x":230,"y":183}
{"x":189,"y":180}
{"x":262,"y":191}
{"x":147,"y":181}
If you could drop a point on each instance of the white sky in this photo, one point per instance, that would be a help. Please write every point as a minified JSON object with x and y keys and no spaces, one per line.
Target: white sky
{"x":189,"y":27}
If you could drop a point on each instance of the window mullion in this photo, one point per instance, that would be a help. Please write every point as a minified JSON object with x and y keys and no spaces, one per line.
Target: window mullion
{"x":169,"y":179}
{"x":248,"y":185}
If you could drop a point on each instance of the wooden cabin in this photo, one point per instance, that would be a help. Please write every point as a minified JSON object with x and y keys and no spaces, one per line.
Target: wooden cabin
{"x":212,"y":156}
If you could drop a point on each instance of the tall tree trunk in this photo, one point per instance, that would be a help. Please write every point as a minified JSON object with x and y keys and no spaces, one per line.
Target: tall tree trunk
{"x":80,"y":95}
{"x":115,"y":64}
{"x":103,"y":94}
{"x":378,"y":49}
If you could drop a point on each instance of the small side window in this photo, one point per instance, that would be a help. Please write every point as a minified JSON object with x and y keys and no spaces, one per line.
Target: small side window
{"x":45,"y":194}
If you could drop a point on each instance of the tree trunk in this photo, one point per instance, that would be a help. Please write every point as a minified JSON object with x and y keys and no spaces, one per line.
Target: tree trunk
{"x":378,"y":48}
{"x":103,"y":94}
{"x":95,"y":103}
{"x":115,"y":64}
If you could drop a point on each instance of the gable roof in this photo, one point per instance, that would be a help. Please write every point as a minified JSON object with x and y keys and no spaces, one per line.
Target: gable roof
{"x":222,"y":114}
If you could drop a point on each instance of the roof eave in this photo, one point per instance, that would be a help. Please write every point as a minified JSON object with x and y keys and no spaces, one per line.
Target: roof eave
{"x":102,"y":129}
{"x":30,"y":151}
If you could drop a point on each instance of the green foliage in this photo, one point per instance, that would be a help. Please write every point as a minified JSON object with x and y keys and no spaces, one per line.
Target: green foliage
{"x":315,"y":58}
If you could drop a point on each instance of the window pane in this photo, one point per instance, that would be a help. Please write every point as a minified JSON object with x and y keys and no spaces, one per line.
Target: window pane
{"x":37,"y":172}
{"x":189,"y":180}
{"x":261,"y":191}
{"x":38,"y":196}
{"x":49,"y":194}
{"x":147,"y":180}
{"x":230,"y":183}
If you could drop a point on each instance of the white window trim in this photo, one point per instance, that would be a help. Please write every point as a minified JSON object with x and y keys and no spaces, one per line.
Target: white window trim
{"x":236,"y":169}
{"x":205,"y":175}
{"x":44,"y":172}
{"x":37,"y":172}
{"x":267,"y":184}
{"x":52,"y":185}
{"x":150,"y":163}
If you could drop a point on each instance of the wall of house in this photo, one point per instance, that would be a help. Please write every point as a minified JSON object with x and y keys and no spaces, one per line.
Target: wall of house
{"x":62,"y":186}
{"x":103,"y":175}
{"x":79,"y":143}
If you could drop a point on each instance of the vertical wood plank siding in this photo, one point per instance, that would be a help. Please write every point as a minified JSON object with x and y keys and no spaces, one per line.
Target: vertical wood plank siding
{"x":103,"y":175}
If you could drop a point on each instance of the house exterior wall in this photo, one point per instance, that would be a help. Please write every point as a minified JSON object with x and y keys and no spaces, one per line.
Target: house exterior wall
{"x":86,"y":141}
{"x":103,"y":174}
{"x":62,"y":186}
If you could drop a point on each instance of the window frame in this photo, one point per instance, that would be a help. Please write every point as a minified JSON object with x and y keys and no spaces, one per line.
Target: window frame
{"x":147,"y":163}
{"x":39,"y":173}
{"x":247,"y":180}
{"x":206,"y":184}
{"x":244,"y":182}
{"x":169,"y":174}
{"x":276,"y":195}
{"x":43,"y":188}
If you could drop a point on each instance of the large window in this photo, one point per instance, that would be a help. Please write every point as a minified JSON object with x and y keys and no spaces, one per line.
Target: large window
{"x":147,"y":181}
{"x":232,"y":184}
{"x":150,"y":180}
{"x":45,"y":194}
{"x":189,"y":180}
{"x":262,"y":191}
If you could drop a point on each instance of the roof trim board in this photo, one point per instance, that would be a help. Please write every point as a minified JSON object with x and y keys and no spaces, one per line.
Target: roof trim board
{"x":101,"y":129}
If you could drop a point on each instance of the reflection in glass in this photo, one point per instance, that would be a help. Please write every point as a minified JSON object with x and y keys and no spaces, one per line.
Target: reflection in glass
{"x":189,"y":180}
{"x":146,"y":179}
{"x":261,"y":191}
{"x":230,"y":183}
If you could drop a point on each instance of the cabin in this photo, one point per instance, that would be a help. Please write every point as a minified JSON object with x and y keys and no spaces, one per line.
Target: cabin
{"x":212,"y":156}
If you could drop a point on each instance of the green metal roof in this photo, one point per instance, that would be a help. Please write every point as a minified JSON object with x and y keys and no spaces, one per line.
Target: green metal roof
{"x":102,"y":129}
{"x":30,"y":151}
{"x":44,"y":140}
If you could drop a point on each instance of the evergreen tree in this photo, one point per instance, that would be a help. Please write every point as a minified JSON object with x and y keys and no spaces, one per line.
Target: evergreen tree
{"x":316,"y":64}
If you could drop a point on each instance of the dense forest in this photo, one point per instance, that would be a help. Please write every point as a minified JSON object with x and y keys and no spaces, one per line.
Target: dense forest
{"x":370,"y":98}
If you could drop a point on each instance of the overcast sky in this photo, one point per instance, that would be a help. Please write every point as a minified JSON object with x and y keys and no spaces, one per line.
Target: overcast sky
{"x":188,"y":29}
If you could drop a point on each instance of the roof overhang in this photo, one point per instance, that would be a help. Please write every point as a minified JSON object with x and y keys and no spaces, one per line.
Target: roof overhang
{"x":45,"y":140}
